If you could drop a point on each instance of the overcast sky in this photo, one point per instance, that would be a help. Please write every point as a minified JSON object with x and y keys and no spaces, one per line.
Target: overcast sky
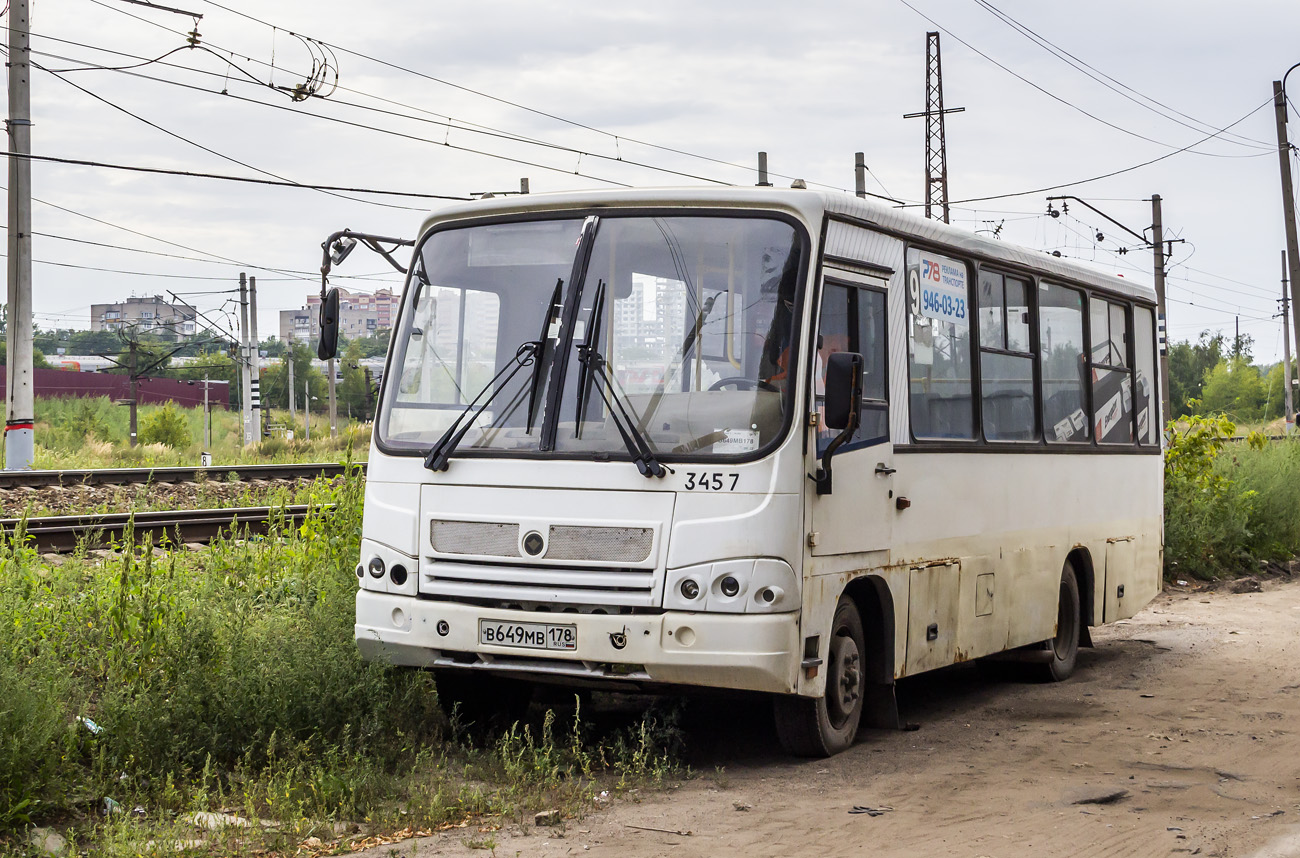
{"x":693,"y":87}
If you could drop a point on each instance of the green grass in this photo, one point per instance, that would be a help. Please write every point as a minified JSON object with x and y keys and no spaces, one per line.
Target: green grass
{"x":228,"y":679}
{"x":1229,"y":506}
{"x":92,"y":432}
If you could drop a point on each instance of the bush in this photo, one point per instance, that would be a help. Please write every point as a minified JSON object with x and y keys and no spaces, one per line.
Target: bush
{"x":1206,"y":515}
{"x":168,"y":426}
{"x":32,"y":729}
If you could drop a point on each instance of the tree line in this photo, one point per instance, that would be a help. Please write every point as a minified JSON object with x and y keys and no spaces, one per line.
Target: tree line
{"x":1215,"y":375}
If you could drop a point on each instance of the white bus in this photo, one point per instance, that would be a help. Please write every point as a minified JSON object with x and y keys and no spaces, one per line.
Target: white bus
{"x":783,"y":441}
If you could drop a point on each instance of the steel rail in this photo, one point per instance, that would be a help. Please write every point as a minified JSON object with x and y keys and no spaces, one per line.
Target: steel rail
{"x":65,"y":533}
{"x":132,"y":476}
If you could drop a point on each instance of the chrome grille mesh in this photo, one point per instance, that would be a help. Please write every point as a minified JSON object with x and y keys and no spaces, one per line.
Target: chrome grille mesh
{"x":479,"y":538}
{"x":606,"y":544}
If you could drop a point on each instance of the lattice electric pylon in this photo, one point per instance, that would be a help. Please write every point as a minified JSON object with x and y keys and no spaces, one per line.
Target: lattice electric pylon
{"x":936,"y":151}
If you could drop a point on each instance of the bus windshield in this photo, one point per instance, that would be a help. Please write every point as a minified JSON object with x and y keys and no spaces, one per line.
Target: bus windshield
{"x":679,"y":326}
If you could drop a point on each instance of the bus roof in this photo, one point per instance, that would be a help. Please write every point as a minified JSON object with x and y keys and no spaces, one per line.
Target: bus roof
{"x":810,"y":206}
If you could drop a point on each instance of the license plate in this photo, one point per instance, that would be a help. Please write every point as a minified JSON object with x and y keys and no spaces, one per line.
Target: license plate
{"x":528,"y":635}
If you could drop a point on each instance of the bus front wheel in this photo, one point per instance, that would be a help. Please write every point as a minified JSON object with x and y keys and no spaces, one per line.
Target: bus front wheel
{"x":1063,"y":649}
{"x":824,"y":726}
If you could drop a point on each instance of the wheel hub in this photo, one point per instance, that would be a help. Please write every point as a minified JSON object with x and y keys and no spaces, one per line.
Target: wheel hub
{"x":845,"y":680}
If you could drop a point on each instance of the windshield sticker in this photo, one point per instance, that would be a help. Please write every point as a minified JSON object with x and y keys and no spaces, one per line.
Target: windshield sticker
{"x":1111,"y":414}
{"x":1064,"y":430}
{"x":1079,"y":419}
{"x":737,"y":441}
{"x":939,"y":289}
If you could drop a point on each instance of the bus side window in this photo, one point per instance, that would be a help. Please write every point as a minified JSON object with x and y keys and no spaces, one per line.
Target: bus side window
{"x":939,"y":347}
{"x":1149,"y":422}
{"x":1006,"y":363}
{"x":1112,"y":378}
{"x":1060,"y":332}
{"x":853,"y":320}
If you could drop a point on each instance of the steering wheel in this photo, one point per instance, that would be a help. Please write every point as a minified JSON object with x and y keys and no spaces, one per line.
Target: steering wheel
{"x":740,"y":382}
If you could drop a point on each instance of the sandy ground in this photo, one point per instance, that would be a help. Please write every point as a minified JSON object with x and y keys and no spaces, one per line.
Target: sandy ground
{"x":1183,"y":721}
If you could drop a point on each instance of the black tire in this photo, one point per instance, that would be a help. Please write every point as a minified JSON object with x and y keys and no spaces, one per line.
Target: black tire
{"x":826,"y":725}
{"x":1064,"y":647}
{"x":480,"y":702}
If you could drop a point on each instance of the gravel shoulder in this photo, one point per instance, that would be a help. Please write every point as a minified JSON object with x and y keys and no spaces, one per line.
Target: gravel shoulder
{"x":1176,"y":735}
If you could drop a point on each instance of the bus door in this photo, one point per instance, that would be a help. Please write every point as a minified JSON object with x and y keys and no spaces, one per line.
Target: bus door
{"x":857,"y":516}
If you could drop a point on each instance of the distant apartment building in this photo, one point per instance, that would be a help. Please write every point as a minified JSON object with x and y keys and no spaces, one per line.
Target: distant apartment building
{"x":360,"y":315}
{"x":155,"y":315}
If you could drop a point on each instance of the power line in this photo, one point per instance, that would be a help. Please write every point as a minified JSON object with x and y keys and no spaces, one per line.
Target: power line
{"x":207,"y":149}
{"x":1070,"y":104}
{"x":1114,"y":172}
{"x":1106,"y":80}
{"x":226,"y":178}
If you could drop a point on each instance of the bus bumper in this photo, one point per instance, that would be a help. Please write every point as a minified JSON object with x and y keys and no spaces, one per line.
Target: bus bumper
{"x":752,"y":652}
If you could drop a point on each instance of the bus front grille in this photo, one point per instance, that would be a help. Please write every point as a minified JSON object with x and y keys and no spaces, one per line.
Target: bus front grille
{"x":541,"y":586}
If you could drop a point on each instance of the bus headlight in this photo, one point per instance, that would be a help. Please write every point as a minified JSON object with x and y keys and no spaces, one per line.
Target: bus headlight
{"x":390,"y":571}
{"x":733,"y":586}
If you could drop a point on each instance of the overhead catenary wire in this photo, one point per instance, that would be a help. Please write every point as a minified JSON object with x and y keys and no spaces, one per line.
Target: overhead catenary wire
{"x":1114,"y":85}
{"x":208,"y":149}
{"x":1112,"y":173}
{"x":1120,"y":128}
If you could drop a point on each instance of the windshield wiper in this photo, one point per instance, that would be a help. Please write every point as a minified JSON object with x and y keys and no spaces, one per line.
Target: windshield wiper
{"x":436,"y":460}
{"x":552,"y":309}
{"x":595,"y":367}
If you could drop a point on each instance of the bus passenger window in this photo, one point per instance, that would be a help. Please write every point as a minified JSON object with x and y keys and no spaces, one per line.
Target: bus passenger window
{"x":1006,"y":364}
{"x":939,"y":347}
{"x":1149,"y":423}
{"x":853,"y":320}
{"x":1112,"y":380}
{"x":1064,"y":368}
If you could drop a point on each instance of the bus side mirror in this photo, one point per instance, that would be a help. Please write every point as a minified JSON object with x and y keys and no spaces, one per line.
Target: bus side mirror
{"x":842,"y":408}
{"x":328,"y":346}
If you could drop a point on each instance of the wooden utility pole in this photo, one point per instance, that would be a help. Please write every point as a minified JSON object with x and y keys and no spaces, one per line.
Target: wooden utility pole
{"x":1287,"y":403}
{"x":20,"y":405}
{"x":1288,"y":201}
{"x":1158,"y":246}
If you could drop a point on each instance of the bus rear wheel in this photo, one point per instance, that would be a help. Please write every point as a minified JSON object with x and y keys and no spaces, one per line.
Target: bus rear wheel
{"x":824,"y":726}
{"x":1063,"y":649}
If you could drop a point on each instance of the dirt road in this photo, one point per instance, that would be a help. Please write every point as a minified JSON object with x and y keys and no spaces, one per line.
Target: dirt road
{"x":1178,"y":734}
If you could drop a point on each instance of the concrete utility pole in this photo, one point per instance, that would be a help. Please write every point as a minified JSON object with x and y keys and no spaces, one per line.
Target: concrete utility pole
{"x":293,"y":415}
{"x":20,"y":406}
{"x":132,"y":365}
{"x":245,"y":376}
{"x":1158,"y":246}
{"x":1288,"y":199}
{"x":255,"y":361}
{"x":1287,"y":404}
{"x":334,"y":409}
{"x":207,"y":416}
{"x":306,"y":408}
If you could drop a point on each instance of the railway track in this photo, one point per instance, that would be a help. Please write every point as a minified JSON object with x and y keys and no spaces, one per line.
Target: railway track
{"x":62,"y":534}
{"x":132,"y":476}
